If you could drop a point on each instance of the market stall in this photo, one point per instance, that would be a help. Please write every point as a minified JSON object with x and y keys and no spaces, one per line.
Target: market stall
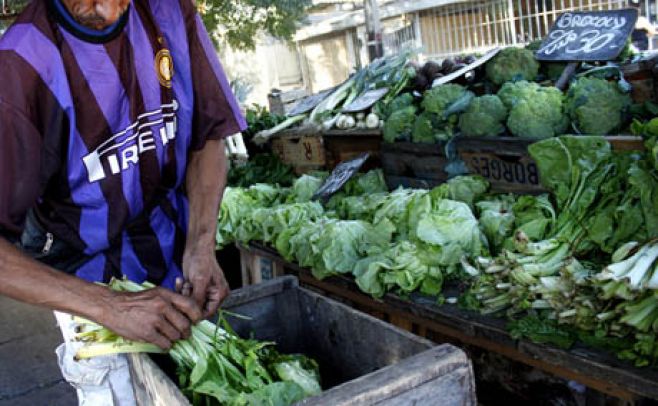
{"x":514,"y":215}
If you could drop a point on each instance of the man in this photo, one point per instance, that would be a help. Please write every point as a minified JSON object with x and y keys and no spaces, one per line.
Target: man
{"x":112,"y":119}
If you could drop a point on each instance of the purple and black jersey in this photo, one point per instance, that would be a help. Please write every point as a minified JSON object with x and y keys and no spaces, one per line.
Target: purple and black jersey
{"x":96,"y":129}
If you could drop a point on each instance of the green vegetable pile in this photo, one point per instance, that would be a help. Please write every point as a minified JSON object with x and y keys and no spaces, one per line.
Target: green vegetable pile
{"x":399,"y":241}
{"x":590,"y":273}
{"x":434,"y":120}
{"x":513,"y":100}
{"x":216,"y":366}
{"x":577,"y":264}
{"x":259,"y":169}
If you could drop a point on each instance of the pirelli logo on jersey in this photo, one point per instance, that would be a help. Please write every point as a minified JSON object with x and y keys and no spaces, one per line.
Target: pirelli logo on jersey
{"x":124,"y":148}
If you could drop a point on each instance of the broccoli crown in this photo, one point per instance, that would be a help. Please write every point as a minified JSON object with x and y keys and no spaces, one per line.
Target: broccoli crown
{"x":439,"y":99}
{"x":485,"y":116}
{"x":384,"y":109}
{"x":512,"y":64}
{"x":534,"y":111}
{"x":596,"y":106}
{"x":423,"y":129}
{"x":400,"y":124}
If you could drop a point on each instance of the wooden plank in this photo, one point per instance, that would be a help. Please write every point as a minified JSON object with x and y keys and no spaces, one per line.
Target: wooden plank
{"x":505,"y":172}
{"x":349,"y":145}
{"x":507,"y":165}
{"x":404,"y":161}
{"x":442,"y":371}
{"x":151,"y":386}
{"x":595,"y":369}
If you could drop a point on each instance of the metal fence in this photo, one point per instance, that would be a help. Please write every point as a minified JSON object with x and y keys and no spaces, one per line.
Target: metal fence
{"x":470,"y":27}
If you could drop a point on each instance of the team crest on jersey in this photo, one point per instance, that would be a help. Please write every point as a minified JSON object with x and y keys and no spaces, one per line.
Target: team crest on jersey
{"x":164,"y":66}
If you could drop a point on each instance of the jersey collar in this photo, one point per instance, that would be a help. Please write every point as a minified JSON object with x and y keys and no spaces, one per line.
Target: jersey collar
{"x":66,"y":20}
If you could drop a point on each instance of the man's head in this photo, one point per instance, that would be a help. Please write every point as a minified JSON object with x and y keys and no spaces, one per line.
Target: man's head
{"x":96,"y":14}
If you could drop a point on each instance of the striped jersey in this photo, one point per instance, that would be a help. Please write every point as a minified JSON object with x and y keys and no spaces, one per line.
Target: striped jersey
{"x":96,"y":128}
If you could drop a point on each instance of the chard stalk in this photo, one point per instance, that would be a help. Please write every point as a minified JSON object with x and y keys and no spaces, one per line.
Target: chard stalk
{"x":622,"y":252}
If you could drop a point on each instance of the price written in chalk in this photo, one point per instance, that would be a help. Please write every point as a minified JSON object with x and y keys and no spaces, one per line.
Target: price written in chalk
{"x":588,"y":36}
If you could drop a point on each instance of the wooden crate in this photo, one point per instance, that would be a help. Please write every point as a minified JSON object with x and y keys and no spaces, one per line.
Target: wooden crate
{"x":507,"y":165}
{"x":256,"y":268}
{"x":343,"y":145}
{"x":642,"y":76}
{"x":364,"y":361}
{"x":301,"y":148}
{"x":414,"y":165}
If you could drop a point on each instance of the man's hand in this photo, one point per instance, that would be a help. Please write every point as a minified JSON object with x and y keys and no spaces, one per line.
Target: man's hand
{"x":205,"y":282}
{"x":156,"y":316}
{"x":204,"y":182}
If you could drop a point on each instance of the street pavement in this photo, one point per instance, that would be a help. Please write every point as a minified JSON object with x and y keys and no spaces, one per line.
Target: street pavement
{"x":29,"y":374}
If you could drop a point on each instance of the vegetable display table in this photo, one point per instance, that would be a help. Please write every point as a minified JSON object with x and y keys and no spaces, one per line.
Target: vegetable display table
{"x":595,"y":369}
{"x":363,"y":361}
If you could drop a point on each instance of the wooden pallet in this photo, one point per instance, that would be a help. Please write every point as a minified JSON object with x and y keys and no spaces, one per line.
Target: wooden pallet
{"x":595,"y":369}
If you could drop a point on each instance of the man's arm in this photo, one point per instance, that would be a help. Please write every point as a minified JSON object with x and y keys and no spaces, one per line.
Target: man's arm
{"x":205,"y":182}
{"x":157,"y":316}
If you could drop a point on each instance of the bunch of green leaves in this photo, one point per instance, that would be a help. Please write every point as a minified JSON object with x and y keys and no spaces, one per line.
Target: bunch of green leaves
{"x":261,"y":168}
{"x":215,"y":366}
{"x":259,"y":119}
{"x":400,"y":268}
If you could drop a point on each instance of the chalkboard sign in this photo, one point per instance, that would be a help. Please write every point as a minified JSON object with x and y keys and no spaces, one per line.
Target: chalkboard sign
{"x":339,"y":177}
{"x":588,"y":36}
{"x":366,"y":100}
{"x":309,"y":103}
{"x":471,"y":66}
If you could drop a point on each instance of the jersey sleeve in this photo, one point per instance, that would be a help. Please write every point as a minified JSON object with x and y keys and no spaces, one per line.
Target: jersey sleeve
{"x":20,"y":155}
{"x":216,"y":111}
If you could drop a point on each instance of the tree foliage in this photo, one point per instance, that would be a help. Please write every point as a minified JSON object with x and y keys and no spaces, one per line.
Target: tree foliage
{"x":238,"y":22}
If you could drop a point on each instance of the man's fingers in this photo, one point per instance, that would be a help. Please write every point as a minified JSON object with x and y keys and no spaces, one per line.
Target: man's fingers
{"x":179,"y":321}
{"x":179,"y":285}
{"x":159,"y":340}
{"x":187,"y":289}
{"x":213,"y":300}
{"x":169,"y":331}
{"x":185,"y":305}
{"x":199,"y":289}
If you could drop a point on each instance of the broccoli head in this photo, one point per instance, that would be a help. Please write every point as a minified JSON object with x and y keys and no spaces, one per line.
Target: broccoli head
{"x":400,"y":124}
{"x":447,"y":99}
{"x":596,"y":106}
{"x":512,"y":64}
{"x":485,"y":116}
{"x":423,"y":129}
{"x":383,"y":110}
{"x":534,"y":111}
